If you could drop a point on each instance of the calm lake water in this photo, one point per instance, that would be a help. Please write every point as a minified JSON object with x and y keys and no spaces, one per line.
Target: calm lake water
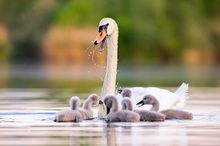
{"x":26,"y":118}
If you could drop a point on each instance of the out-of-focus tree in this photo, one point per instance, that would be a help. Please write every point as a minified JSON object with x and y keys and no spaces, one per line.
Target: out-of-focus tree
{"x":26,"y":22}
{"x":153,"y":31}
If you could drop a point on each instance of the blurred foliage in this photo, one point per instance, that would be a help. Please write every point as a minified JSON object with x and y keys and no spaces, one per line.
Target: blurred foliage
{"x":153,"y":31}
{"x":4,"y":52}
{"x":26,"y":22}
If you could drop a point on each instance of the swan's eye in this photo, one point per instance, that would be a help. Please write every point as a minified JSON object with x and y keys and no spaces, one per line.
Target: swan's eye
{"x":100,"y":28}
{"x":103,"y":27}
{"x":106,"y":26}
{"x":145,"y":98}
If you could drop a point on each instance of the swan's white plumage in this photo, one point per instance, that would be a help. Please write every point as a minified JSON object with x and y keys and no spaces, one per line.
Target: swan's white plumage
{"x":166,"y":98}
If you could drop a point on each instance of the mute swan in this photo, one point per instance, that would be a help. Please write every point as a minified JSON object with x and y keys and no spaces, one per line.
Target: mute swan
{"x":119,"y":116}
{"x":169,"y":113}
{"x":108,"y":31}
{"x":145,"y":115}
{"x":72,"y":114}
{"x":87,"y":111}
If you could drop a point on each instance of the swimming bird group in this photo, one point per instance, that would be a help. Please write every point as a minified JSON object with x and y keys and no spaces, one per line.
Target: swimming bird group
{"x":128,"y":105}
{"x":128,"y":114}
{"x":108,"y":33}
{"x":125,"y":114}
{"x":76,"y":114}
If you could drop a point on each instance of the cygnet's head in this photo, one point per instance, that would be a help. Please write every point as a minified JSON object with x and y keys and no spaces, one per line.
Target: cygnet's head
{"x":107,"y":26}
{"x":126,"y":92}
{"x":127,"y":104}
{"x":108,"y":101}
{"x":147,"y":99}
{"x":94,"y":98}
{"x":74,"y":102}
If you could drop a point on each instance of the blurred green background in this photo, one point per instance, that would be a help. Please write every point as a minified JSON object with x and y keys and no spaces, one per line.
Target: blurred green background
{"x":161,"y":43}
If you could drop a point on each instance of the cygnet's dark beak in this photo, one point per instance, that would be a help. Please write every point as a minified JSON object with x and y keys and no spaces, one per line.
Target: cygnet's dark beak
{"x":119,"y":90}
{"x":100,"y":102}
{"x":141,"y":103}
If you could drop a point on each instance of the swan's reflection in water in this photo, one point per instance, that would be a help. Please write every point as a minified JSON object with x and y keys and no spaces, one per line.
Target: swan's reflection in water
{"x":170,"y":136}
{"x":31,"y":125}
{"x":201,"y":130}
{"x":149,"y":135}
{"x":131,"y":135}
{"x":41,"y":129}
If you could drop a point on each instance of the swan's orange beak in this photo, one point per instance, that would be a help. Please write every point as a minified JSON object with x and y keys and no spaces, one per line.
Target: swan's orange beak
{"x":101,"y":36}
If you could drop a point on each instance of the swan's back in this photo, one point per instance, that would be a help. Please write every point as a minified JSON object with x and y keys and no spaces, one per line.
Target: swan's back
{"x":123,"y":116}
{"x":68,"y":116}
{"x":120,"y":116}
{"x":86,"y":114}
{"x":177,"y":114}
{"x":72,"y":114}
{"x":146,"y":115}
{"x":166,"y":98}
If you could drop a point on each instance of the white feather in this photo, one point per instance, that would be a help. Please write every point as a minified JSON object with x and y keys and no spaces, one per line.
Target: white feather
{"x":166,"y":98}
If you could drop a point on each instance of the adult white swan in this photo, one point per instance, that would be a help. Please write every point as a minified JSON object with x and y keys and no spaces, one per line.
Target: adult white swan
{"x":108,"y":31}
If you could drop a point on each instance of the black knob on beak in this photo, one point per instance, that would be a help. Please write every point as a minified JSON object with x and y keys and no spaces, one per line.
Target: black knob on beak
{"x":100,"y":102}
{"x":95,"y":43}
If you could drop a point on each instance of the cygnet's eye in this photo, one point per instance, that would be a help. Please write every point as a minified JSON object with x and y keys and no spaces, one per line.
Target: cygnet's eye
{"x":145,"y":98}
{"x":105,"y":101}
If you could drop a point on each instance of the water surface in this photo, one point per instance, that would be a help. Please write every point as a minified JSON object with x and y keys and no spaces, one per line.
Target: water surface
{"x":26,"y":118}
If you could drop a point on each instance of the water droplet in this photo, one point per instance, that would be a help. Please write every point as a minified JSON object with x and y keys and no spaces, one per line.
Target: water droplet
{"x":89,"y":71}
{"x":116,"y":86}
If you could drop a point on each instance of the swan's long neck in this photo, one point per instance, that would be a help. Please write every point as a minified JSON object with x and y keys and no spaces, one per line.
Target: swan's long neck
{"x":111,"y":67}
{"x":127,"y":105}
{"x":114,"y":107}
{"x":87,"y":105}
{"x":74,"y":103}
{"x":155,"y":105}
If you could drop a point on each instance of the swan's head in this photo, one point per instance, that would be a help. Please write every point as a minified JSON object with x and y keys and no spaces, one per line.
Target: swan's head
{"x":108,"y":103}
{"x":107,"y":26}
{"x":94,"y":99}
{"x":74,"y":102}
{"x":147,"y":99}
{"x":126,"y":93}
{"x":110,"y":24}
